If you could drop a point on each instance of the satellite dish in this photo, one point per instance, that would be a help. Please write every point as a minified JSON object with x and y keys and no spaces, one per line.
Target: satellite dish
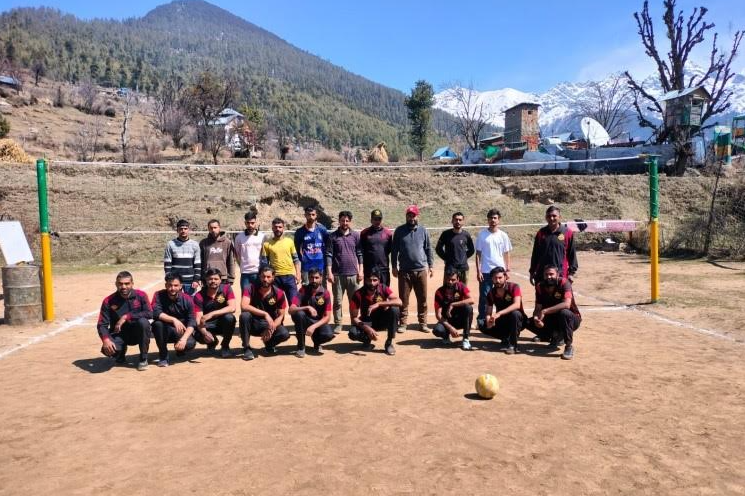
{"x":594,"y":132}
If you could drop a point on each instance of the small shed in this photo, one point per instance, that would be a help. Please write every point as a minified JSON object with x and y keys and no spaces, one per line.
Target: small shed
{"x":521,"y":125}
{"x":684,"y":108}
{"x":444,"y":153}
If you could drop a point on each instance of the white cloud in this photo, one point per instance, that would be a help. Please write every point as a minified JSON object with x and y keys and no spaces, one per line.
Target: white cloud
{"x":630,"y":57}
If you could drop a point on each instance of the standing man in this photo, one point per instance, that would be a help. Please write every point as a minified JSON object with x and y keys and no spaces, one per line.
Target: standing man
{"x":173,"y":320}
{"x":376,"y":242}
{"x":124,"y":320}
{"x":493,"y":249}
{"x":553,"y":245}
{"x":343,"y":263}
{"x":556,"y":315}
{"x":311,"y":240}
{"x":311,"y":312}
{"x":507,"y":321}
{"x":411,"y":258}
{"x":183,"y":258}
{"x":263,"y":308}
{"x":280,"y":254}
{"x":248,"y":245}
{"x":453,"y":309}
{"x":216,"y":252}
{"x":374,"y":307}
{"x":215,"y":312}
{"x":455,"y":247}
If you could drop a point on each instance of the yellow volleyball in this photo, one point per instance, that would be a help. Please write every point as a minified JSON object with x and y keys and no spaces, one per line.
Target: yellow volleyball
{"x":487,"y":386}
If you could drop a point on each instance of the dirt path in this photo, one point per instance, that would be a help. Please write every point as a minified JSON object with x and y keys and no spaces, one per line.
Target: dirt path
{"x":645,"y":408}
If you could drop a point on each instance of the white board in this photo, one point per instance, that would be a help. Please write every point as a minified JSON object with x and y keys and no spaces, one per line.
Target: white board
{"x":13,"y":243}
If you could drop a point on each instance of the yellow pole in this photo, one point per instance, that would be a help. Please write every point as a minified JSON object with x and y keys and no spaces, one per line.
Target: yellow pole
{"x":46,"y":242}
{"x":46,"y":270}
{"x":654,"y":255}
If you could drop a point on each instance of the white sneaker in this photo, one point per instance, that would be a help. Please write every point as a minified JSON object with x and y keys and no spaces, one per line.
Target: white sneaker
{"x":466,"y":345}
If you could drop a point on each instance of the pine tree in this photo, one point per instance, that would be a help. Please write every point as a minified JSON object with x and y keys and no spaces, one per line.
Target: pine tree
{"x":419,"y":105}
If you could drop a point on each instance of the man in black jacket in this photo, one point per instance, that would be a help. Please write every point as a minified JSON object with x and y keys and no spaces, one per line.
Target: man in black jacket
{"x":455,"y":247}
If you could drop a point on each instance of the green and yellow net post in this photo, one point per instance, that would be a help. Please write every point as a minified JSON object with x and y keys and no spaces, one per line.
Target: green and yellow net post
{"x":654,"y":226}
{"x":46,"y":242}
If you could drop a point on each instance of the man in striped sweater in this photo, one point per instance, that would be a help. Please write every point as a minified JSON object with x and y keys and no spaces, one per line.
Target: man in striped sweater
{"x":182,"y":258}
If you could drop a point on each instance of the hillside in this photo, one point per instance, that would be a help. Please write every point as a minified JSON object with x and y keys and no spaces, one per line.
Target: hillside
{"x":303,"y":95}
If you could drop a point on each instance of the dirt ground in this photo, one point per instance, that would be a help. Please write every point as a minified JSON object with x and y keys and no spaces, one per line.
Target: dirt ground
{"x":646,"y":407}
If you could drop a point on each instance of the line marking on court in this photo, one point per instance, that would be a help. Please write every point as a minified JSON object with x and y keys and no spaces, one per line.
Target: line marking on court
{"x":80,"y":319}
{"x":655,"y":316}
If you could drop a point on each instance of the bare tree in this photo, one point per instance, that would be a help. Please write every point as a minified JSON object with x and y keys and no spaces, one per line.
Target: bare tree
{"x":683,"y":36}
{"x":471,"y":116}
{"x":207,"y":98}
{"x":130,"y":103}
{"x":86,"y":142}
{"x":88,"y":93}
{"x":170,"y":114}
{"x":609,"y":102}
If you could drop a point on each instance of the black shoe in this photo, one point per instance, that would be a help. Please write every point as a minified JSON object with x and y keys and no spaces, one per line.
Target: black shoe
{"x":568,"y":353}
{"x":510,"y":350}
{"x":121,"y":355}
{"x":248,"y":354}
{"x":536,"y":339}
{"x":211,"y":346}
{"x":318,"y":349}
{"x":368,"y":345}
{"x":225,"y":353}
{"x":270,"y":350}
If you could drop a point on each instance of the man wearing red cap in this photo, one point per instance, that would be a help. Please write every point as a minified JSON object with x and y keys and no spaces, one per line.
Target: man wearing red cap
{"x":411,"y":263}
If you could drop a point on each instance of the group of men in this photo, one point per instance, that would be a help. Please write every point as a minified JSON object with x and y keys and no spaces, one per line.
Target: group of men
{"x":281,"y":274}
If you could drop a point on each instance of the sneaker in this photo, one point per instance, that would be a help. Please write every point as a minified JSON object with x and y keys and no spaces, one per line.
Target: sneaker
{"x":510,"y":350}
{"x":213,"y":345}
{"x":248,"y":354}
{"x":163,"y":362}
{"x":270,"y":350}
{"x":465,"y":345}
{"x":568,"y":353}
{"x":338,"y":329}
{"x":536,"y":339}
{"x":368,"y":345}
{"x":318,"y":349}
{"x":390,"y":349}
{"x":401,"y":328}
{"x":423,"y":328}
{"x":300,"y":353}
{"x":121,"y":356}
{"x":142,"y":365}
{"x":225,"y":353}
{"x":446,"y":339}
{"x":552,"y":345}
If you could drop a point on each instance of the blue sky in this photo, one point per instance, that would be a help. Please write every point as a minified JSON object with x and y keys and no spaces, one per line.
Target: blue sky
{"x":527,"y":45}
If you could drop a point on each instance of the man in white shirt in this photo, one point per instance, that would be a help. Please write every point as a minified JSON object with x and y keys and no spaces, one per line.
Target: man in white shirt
{"x":247,"y":246}
{"x":493,"y":249}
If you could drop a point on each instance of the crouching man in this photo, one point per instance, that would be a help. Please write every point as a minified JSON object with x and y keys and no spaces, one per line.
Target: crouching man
{"x":173,"y":320}
{"x":374,"y":307}
{"x":505,"y":316}
{"x":125,"y":320}
{"x":311,"y":312}
{"x":453,"y":309}
{"x":556,"y":316}
{"x":215,"y":312}
{"x":263,"y":308}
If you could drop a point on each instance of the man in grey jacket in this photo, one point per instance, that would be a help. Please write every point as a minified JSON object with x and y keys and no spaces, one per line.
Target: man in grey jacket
{"x":412,"y":262}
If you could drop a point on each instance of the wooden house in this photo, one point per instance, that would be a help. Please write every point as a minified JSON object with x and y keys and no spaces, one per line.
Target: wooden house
{"x":521,"y":125}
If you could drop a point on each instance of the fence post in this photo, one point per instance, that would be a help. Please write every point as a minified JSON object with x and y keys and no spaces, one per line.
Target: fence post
{"x":654,"y":228}
{"x":46,"y":243}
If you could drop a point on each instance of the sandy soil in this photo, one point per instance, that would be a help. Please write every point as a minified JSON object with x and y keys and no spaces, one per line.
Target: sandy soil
{"x":645,"y":408}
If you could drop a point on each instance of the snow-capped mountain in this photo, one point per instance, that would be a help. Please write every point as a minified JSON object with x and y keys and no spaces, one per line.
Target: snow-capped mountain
{"x":561,"y":105}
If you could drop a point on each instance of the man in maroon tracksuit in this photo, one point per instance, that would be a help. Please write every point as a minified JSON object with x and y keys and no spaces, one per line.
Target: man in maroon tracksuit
{"x":263,"y":307}
{"x":311,"y":312}
{"x":125,"y":320}
{"x":556,"y":316}
{"x":453,"y":309}
{"x":504,"y":310}
{"x":553,"y":245}
{"x":215,"y":312}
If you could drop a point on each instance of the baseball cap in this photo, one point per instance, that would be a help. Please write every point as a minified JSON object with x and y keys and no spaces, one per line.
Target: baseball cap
{"x":413,"y":209}
{"x":376,"y":214}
